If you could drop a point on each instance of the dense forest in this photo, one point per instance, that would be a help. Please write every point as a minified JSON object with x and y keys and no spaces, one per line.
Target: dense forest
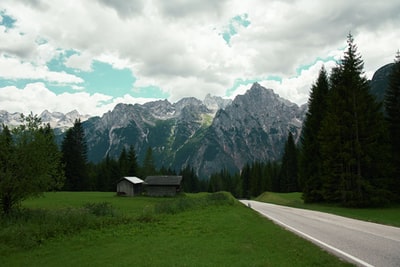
{"x":348,"y":153}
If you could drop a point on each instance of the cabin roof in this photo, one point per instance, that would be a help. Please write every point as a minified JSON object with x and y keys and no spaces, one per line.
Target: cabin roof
{"x":133,"y":179}
{"x":163,"y":180}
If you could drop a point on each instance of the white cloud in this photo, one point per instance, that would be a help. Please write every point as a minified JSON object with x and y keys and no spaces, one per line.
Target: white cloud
{"x":115,"y":61}
{"x":176,"y":45}
{"x":14,"y":43}
{"x":35,"y":97}
{"x":12,"y":68}
{"x":79,"y":61}
{"x":125,"y":9}
{"x":297,"y":88}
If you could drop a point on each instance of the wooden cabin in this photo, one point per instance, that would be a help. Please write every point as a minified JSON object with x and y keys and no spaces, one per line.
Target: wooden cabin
{"x":163,"y":185}
{"x":130,"y":186}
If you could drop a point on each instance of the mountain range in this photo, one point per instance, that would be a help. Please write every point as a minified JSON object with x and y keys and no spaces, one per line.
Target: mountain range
{"x":208,"y":135}
{"x":57,"y":120}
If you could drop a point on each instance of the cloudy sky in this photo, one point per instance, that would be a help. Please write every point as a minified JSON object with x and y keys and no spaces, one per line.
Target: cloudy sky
{"x":90,"y":55}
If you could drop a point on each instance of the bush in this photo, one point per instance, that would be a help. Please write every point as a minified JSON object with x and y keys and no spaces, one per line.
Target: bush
{"x":27,"y":228}
{"x":100,"y":209}
{"x":221,"y":198}
{"x":182,"y":204}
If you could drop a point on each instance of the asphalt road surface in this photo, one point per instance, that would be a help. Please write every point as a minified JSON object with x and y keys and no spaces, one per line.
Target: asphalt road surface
{"x":359,"y":242}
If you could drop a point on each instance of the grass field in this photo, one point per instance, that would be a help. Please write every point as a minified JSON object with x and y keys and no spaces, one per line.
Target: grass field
{"x":191,"y":230}
{"x":389,"y":215}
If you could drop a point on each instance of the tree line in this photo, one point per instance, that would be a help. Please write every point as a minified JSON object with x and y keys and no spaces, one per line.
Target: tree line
{"x":258,"y":177}
{"x":254,"y":179}
{"x":349,"y":152}
{"x":82,"y":175}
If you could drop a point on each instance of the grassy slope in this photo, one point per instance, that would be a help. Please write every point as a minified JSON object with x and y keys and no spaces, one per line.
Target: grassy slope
{"x":217,"y":235}
{"x":389,"y":216}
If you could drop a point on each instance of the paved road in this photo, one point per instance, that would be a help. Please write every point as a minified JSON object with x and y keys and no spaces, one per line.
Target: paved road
{"x":362,"y":243}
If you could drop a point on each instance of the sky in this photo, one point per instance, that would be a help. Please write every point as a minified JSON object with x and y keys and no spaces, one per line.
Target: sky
{"x":91,"y":55}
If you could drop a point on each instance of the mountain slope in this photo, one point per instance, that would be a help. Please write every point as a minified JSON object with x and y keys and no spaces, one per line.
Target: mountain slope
{"x":163,"y":126}
{"x":252,"y":127}
{"x":380,"y":81}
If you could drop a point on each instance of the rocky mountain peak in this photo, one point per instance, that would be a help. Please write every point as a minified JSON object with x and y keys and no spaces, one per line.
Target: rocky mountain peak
{"x":216,"y":103}
{"x":253,"y":127}
{"x":380,"y":81}
{"x":188,"y":101}
{"x":74,"y":114}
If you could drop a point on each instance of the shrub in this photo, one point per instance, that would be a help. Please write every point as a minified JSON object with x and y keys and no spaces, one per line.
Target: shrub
{"x":221,"y":198}
{"x":185,"y":203}
{"x":27,"y":228}
{"x":100,"y":209}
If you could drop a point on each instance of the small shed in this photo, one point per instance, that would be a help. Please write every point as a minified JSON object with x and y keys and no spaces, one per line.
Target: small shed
{"x":130,"y":186}
{"x":163,"y":185}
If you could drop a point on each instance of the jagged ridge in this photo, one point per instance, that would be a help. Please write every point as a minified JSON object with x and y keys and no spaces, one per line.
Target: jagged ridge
{"x":207,"y":135}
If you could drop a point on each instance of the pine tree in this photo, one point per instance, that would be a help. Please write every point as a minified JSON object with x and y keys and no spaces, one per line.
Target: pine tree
{"x":190,"y":180}
{"x":215,"y":183}
{"x":289,"y":172}
{"x":148,"y":167}
{"x":310,"y":167}
{"x":268,"y":176}
{"x":123,"y":162}
{"x":255,"y":179}
{"x":74,"y":150}
{"x":133,"y":169}
{"x":108,"y":174}
{"x":392,"y":108}
{"x":245,"y":180}
{"x":352,"y":136}
{"x":273,"y":169}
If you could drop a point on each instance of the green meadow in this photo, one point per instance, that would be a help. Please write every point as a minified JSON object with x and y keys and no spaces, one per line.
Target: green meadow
{"x":389,"y":215}
{"x":100,"y":229}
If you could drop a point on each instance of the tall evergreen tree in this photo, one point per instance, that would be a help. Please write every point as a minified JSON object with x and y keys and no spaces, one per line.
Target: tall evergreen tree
{"x":256,"y":177}
{"x":215,"y":183}
{"x":289,"y":171}
{"x":273,"y":169}
{"x":133,"y":169}
{"x":392,"y":108}
{"x":352,"y":135}
{"x":245,"y":180}
{"x":108,"y":174}
{"x":123,"y":162}
{"x":190,"y":180}
{"x":148,"y":167}
{"x":310,"y":166}
{"x":74,"y":151}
